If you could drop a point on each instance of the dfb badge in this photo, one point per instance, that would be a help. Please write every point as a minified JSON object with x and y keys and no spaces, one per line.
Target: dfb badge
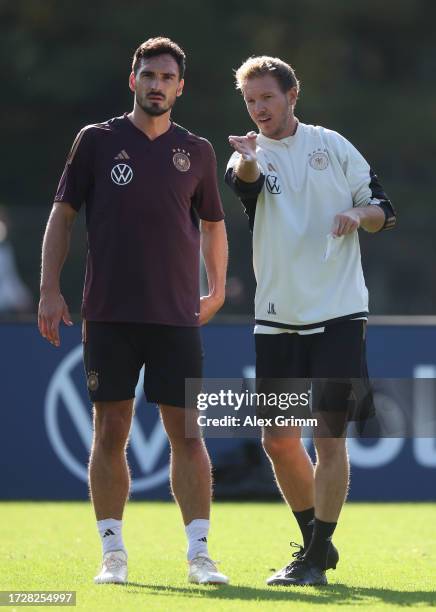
{"x":92,"y":381}
{"x":181,"y":160}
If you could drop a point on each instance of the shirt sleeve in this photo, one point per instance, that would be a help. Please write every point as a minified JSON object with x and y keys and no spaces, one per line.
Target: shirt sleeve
{"x":365,"y":186}
{"x":207,"y":200}
{"x":77,"y":177}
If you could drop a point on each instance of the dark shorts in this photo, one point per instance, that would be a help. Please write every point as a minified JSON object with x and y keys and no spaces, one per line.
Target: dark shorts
{"x":335,"y":359}
{"x":114,"y":354}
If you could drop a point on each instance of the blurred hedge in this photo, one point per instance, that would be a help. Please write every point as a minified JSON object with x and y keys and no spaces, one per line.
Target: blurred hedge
{"x":366,"y":69}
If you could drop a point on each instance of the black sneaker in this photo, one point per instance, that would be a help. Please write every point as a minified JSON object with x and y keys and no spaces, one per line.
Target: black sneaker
{"x":332,"y":561}
{"x":299,"y":573}
{"x":332,"y":556}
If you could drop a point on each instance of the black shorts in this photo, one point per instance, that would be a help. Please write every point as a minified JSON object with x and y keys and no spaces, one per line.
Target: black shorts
{"x":114,"y":354}
{"x":336,"y":358}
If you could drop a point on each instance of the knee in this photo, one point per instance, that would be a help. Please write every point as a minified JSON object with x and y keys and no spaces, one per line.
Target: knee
{"x":188,"y":446}
{"x":278,"y":447}
{"x":112,"y":432}
{"x":329,"y":450}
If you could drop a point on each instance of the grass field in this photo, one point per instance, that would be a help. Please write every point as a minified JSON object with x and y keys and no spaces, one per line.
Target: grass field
{"x":388,"y":557}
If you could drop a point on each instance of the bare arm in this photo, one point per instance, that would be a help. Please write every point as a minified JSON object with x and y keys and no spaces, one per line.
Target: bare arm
{"x":55,"y":247}
{"x":247,"y":171}
{"x":215,"y":253}
{"x":371,"y":218}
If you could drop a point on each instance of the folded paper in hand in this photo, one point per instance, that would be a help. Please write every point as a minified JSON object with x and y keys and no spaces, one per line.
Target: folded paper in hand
{"x":332,"y":248}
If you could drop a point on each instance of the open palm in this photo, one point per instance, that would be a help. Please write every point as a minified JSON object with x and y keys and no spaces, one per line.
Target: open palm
{"x":245,"y":145}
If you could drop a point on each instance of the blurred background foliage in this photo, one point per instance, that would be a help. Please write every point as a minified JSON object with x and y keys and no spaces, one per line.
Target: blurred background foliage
{"x":366,"y":69}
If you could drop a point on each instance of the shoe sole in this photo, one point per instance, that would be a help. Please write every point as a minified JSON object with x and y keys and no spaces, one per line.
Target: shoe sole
{"x":113,"y":581}
{"x":207,"y":582}
{"x":289,"y":583}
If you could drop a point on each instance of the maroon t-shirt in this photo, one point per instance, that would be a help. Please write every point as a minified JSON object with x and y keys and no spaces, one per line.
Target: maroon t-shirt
{"x":144,"y":199}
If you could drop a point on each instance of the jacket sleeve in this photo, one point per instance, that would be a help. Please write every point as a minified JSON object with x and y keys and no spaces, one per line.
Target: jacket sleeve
{"x":246,"y":192}
{"x":364,"y":183}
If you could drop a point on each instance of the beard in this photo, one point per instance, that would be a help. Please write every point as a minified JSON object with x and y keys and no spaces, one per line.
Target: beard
{"x":281,"y":126}
{"x":155,"y":109}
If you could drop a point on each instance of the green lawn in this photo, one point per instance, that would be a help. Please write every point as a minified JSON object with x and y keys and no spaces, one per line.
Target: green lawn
{"x":388,"y":557}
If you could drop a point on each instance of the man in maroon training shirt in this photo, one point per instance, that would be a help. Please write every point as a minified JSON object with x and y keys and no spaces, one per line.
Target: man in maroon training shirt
{"x":150,"y":192}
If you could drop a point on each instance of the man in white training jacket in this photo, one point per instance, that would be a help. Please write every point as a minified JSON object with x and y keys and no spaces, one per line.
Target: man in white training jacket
{"x":306,"y":191}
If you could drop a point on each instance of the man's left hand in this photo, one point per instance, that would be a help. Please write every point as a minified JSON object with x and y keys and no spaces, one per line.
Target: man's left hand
{"x":346,"y":223}
{"x":209,"y":306}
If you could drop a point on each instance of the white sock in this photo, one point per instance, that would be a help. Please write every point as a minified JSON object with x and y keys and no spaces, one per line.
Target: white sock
{"x":196,"y":533}
{"x":111,"y":535}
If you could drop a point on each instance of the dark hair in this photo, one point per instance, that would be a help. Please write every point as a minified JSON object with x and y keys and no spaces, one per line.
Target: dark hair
{"x":259,"y":66}
{"x":160,"y":46}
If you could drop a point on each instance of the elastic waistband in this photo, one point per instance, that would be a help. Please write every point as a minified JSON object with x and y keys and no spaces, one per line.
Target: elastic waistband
{"x":350,"y":317}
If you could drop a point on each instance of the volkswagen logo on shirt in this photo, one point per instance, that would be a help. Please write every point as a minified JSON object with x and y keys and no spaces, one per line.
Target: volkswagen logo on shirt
{"x":121,"y":174}
{"x":273,"y":185}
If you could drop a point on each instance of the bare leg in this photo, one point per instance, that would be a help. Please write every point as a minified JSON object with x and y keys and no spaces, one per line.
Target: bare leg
{"x":191,"y":480}
{"x":292,"y":466}
{"x":109,"y":477}
{"x":331,"y":478}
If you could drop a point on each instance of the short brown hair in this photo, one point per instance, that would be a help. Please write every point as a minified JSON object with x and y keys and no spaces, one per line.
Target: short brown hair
{"x":257,"y":66}
{"x":160,"y":46}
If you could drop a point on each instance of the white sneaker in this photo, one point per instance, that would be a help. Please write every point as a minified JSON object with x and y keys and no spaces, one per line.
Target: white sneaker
{"x":113,"y":569}
{"x":202,"y":570}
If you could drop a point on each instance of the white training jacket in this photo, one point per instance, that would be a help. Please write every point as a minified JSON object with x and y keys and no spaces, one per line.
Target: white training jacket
{"x":305,"y":278}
